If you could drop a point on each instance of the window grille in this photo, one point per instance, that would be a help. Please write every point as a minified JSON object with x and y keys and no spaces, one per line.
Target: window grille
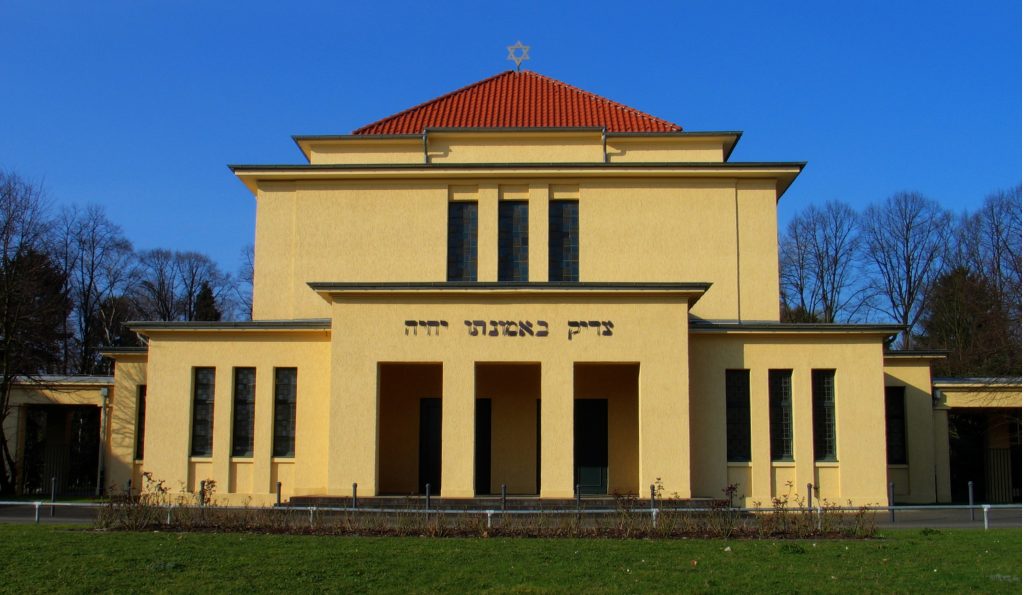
{"x":202,"y":411}
{"x":140,"y":423}
{"x":284,"y":411}
{"x":244,"y":412}
{"x":462,"y":242}
{"x":823,"y":393}
{"x":780,"y":396}
{"x":737,"y":415}
{"x":513,"y":241}
{"x":564,"y":240}
{"x":895,"y":425}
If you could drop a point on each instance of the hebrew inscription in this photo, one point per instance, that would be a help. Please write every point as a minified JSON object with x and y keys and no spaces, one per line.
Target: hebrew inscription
{"x":510,"y":328}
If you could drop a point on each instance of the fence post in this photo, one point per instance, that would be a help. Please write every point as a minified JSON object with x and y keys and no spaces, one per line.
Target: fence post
{"x":355,"y":495}
{"x":810,"y":498}
{"x":312,"y":511}
{"x":892,"y":502}
{"x":428,"y":499}
{"x":53,"y":495}
{"x":168,"y":516}
{"x":819,"y":517}
{"x":970,"y":497}
{"x":984,"y":511}
{"x":504,"y":497}
{"x":579,"y":497}
{"x":38,"y":504}
{"x":654,"y":497}
{"x":489,"y":512}
{"x":654,"y":518}
{"x":279,"y":493}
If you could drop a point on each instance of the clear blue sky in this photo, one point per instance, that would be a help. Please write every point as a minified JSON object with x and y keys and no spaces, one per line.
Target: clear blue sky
{"x":138,"y":105}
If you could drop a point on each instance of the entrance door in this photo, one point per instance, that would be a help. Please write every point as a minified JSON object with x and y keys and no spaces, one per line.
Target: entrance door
{"x":482,"y":455}
{"x":590,"y":427}
{"x":430,"y":445}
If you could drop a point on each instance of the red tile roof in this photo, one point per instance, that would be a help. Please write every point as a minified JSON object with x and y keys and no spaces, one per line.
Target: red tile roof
{"x":519,"y":100}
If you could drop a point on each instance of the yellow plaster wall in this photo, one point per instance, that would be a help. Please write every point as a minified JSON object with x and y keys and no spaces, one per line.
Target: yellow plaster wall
{"x":980,"y":396}
{"x":650,"y":230}
{"x":371,"y":329}
{"x":516,"y":148}
{"x":860,"y":419}
{"x":129,"y":375}
{"x":915,"y":482}
{"x":172,"y":357}
{"x":367,"y":151}
{"x":660,"y":150}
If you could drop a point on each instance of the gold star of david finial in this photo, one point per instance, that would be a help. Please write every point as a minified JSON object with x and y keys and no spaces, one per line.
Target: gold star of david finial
{"x":518,"y":53}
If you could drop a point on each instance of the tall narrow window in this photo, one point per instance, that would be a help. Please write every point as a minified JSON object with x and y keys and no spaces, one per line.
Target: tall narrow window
{"x":895,"y":425}
{"x":823,"y":393}
{"x":202,"y":411}
{"x":244,"y":412}
{"x":140,"y":423}
{"x":737,"y":415}
{"x":462,"y":226}
{"x":780,"y":413}
{"x":284,"y":412}
{"x":513,"y":241}
{"x":564,"y":240}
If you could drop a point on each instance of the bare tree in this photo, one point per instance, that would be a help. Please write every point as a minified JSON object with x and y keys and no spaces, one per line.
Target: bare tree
{"x":100,"y":266}
{"x":196,"y":271}
{"x":156,"y":293}
{"x":906,"y":241}
{"x":246,"y":273}
{"x":33,"y":305}
{"x":988,"y":243}
{"x":818,"y":261}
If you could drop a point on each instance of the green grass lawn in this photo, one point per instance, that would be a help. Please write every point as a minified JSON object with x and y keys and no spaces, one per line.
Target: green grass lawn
{"x":62,"y":559}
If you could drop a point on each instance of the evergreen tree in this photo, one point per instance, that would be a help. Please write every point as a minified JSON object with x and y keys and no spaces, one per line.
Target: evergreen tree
{"x":206,"y":304}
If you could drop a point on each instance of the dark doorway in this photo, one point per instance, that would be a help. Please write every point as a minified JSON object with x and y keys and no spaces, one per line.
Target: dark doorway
{"x":967,"y":455}
{"x":984,"y":448}
{"x":482,"y":451}
{"x":61,"y":450}
{"x":590,"y":429}
{"x":430,"y":445}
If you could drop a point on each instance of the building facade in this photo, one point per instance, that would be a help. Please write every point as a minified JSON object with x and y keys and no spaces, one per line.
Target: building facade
{"x":523,"y":284}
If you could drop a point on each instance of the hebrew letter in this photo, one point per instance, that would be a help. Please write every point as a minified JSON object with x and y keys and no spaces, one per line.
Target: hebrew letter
{"x":433,"y":324}
{"x":494,"y":329}
{"x":574,"y":328}
{"x":542,"y":332}
{"x":410,"y":323}
{"x":608,"y":326}
{"x":472,"y":330}
{"x":511,"y":328}
{"x":525,"y":328}
{"x":444,"y":323}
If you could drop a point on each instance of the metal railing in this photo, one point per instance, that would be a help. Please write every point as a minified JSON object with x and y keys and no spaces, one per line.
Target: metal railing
{"x":489,"y":513}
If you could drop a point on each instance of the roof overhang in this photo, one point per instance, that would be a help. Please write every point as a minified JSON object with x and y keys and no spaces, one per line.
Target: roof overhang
{"x":782,"y":172}
{"x":728,"y":138}
{"x":150,"y":328}
{"x":698,"y":326}
{"x":689,"y":292}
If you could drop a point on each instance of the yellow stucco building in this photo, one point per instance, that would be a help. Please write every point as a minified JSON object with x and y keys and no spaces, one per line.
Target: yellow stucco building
{"x":523,"y":284}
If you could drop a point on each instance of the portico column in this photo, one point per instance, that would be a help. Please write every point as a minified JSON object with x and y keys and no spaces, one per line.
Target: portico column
{"x":458,"y":419}
{"x":556,"y":430}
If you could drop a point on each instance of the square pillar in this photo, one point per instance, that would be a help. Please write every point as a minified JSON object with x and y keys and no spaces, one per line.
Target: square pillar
{"x":263,"y":431}
{"x":665,"y":424}
{"x":538,"y":232}
{"x":352,"y":426}
{"x":458,"y":425}
{"x":487,"y":233}
{"x":556,"y":430}
{"x":760,"y":440}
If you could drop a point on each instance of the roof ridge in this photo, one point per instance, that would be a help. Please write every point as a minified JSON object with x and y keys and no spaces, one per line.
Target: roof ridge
{"x":434,"y":100}
{"x":603,"y":99}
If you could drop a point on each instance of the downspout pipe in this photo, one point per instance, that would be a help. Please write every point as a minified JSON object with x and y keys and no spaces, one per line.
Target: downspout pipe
{"x":604,"y":143}
{"x":426,"y":156}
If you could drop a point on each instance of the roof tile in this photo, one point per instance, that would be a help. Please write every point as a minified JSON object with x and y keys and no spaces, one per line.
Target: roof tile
{"x":519,"y":100}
